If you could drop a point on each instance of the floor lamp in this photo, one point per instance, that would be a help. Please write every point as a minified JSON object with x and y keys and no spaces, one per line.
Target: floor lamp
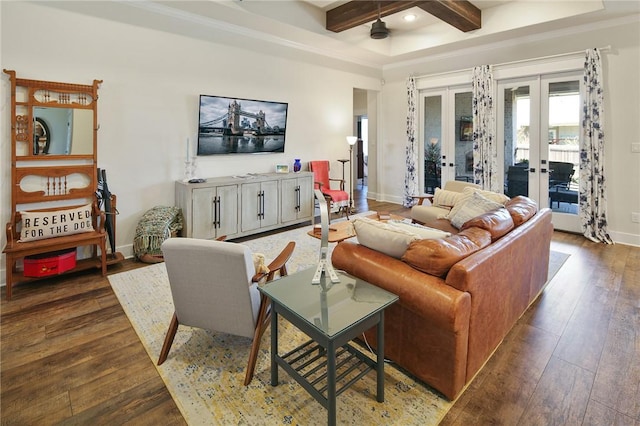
{"x":351,"y":140}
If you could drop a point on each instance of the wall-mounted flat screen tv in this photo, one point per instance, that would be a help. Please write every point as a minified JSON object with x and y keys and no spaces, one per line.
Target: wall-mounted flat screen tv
{"x":240,"y":126}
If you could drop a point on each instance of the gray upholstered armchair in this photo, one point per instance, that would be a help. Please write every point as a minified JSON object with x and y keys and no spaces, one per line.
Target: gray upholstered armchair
{"x":214,"y":286}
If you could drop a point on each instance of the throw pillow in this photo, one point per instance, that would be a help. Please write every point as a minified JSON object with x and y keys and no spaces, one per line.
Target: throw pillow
{"x":468,"y":192}
{"x":444,"y":198}
{"x":472,"y":207}
{"x":493,"y":196}
{"x":48,"y":224}
{"x":424,"y":232}
{"x":383,"y":237}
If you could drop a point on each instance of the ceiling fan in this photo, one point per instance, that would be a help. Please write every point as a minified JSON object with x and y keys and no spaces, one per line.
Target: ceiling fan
{"x":379,"y":29}
{"x":461,"y":14}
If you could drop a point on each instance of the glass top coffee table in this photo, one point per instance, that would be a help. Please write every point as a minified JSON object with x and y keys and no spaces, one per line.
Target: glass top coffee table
{"x":331,"y":314}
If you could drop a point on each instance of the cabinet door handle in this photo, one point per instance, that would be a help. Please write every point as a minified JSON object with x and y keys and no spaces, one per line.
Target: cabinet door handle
{"x":258,"y":206}
{"x":298,"y":198}
{"x":216,"y":211}
{"x":214,"y":201}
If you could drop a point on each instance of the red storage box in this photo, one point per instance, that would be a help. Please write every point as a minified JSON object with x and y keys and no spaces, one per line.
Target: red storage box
{"x":52,"y":263}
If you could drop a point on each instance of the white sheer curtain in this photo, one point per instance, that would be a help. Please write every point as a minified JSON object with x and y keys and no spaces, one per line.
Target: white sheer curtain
{"x":593,"y":199}
{"x":485,"y":150}
{"x":411,"y":187}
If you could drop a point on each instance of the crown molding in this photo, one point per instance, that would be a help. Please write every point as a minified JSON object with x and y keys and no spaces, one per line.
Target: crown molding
{"x":244,"y":32}
{"x":543,"y":36}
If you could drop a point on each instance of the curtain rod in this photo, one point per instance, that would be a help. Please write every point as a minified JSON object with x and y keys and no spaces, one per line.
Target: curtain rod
{"x":540,"y":58}
{"x":559,"y":55}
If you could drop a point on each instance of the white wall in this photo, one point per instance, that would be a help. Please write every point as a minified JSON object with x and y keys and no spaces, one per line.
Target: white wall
{"x":622,"y":109}
{"x":148,"y":102}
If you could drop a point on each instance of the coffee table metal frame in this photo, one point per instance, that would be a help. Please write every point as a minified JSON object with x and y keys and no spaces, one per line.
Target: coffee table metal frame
{"x":306,"y":362}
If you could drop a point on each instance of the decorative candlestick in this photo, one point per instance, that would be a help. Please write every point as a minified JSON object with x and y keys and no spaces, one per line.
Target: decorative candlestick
{"x":190,"y":167}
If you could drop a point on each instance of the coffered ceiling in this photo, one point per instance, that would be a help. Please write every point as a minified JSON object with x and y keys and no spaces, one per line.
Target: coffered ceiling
{"x":300,"y":26}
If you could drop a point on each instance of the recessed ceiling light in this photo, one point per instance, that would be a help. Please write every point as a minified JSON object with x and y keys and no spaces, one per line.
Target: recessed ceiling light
{"x":410,"y":17}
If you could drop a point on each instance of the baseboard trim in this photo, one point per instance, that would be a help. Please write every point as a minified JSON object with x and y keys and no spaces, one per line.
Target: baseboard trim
{"x":625,"y":238}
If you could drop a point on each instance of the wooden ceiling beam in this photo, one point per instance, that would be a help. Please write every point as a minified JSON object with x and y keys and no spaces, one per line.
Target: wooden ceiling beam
{"x":357,"y":12}
{"x":459,"y":13}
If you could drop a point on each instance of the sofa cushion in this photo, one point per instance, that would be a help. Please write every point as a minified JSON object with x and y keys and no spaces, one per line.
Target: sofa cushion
{"x":436,"y":257}
{"x":390,"y":239}
{"x":474,"y":206}
{"x":424,"y":214}
{"x":521,"y":209}
{"x":38,"y":225}
{"x":497,"y":222}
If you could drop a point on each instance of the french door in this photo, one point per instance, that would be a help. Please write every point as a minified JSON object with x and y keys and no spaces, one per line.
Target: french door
{"x":539,"y":122}
{"x":446,"y":137}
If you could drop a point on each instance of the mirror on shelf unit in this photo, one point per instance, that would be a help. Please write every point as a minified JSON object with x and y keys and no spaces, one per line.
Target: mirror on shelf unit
{"x":53,"y":119}
{"x":62,"y":131}
{"x":41,"y":137}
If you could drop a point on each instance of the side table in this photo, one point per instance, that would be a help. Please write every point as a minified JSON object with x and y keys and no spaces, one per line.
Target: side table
{"x":331,"y":314}
{"x":421,"y":198}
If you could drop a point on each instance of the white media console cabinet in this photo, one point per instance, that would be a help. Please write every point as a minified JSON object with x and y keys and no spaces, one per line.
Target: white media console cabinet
{"x":237,"y":206}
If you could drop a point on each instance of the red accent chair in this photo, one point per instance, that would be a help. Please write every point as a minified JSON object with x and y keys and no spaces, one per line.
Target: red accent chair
{"x":338,"y":199}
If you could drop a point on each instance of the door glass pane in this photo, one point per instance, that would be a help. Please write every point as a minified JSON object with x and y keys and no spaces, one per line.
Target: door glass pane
{"x":517,"y":114}
{"x":432,"y":142}
{"x":564,"y":127}
{"x":464,"y":137}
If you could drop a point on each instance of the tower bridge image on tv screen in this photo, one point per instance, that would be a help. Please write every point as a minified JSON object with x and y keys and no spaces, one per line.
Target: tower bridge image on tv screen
{"x":237,"y":121}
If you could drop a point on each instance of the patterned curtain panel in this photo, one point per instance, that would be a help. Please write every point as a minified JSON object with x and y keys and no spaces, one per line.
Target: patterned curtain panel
{"x":411,"y":158}
{"x":593,"y":199}
{"x":485,"y":151}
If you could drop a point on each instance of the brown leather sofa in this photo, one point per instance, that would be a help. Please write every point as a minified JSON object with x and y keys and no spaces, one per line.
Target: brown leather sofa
{"x":459,"y":296}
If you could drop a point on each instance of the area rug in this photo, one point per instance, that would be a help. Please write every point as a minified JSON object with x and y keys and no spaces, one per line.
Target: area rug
{"x":205,"y":370}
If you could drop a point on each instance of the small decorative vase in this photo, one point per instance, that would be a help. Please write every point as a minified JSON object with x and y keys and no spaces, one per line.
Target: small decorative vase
{"x":297,"y":165}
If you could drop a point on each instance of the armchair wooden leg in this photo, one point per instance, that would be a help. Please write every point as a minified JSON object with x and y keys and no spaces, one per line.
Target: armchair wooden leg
{"x":262,"y":323}
{"x":168,"y":340}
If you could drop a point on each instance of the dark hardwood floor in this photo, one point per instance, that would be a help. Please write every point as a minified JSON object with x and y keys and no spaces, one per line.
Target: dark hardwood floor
{"x":70,"y":356}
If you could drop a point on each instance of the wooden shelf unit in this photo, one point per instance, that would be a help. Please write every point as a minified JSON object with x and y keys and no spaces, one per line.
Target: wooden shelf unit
{"x":54,"y":129}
